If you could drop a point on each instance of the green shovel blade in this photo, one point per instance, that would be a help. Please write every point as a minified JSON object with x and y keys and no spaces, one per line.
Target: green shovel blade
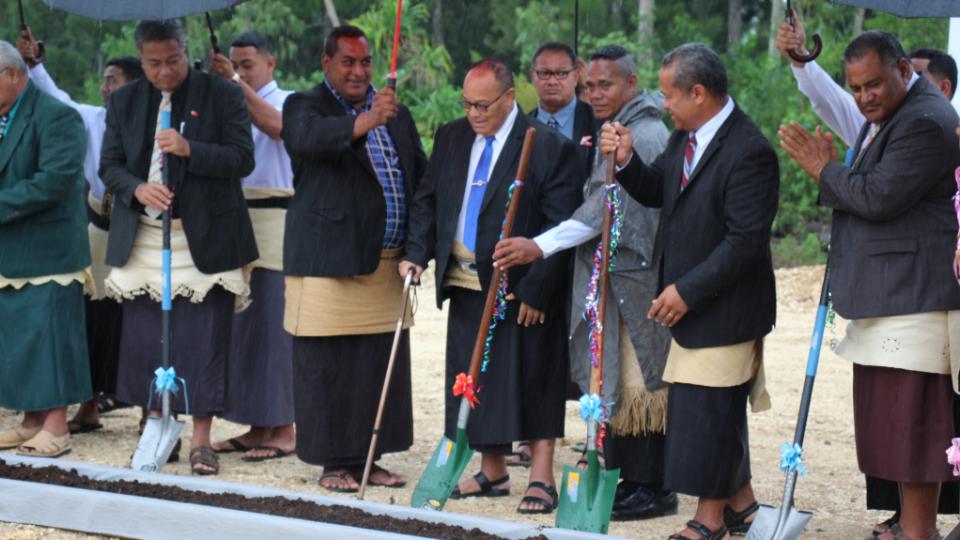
{"x":442,"y":473}
{"x":586,"y":496}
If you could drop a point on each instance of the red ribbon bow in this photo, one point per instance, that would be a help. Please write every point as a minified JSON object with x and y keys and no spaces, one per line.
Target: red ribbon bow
{"x":464,"y":386}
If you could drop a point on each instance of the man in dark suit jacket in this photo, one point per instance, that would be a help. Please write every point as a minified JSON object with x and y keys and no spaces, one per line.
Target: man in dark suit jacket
{"x":457,"y":226}
{"x":892,"y":243}
{"x":212,"y":236}
{"x":43,"y":256}
{"x":716,"y":185}
{"x":356,"y":160}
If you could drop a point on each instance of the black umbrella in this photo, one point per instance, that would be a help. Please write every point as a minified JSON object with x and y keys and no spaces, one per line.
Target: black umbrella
{"x":138,"y":10}
{"x":909,"y":8}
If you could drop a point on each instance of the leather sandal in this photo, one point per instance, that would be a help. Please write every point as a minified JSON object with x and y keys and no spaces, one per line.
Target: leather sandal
{"x":886,"y":524}
{"x":546,"y":506}
{"x":204,"y":455}
{"x":12,"y":438}
{"x":486,"y":488}
{"x":736,"y":522}
{"x":46,"y":444}
{"x":703,"y":533}
{"x":898,"y":533}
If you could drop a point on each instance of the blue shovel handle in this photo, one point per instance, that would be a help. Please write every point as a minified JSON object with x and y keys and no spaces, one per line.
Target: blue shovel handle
{"x":165,"y":270}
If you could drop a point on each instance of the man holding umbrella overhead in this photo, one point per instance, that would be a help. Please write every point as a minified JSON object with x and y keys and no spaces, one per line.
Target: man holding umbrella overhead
{"x":357,"y":160}
{"x":211,"y":237}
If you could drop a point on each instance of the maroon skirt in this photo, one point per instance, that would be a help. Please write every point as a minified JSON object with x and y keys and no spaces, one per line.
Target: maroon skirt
{"x":903,"y":422}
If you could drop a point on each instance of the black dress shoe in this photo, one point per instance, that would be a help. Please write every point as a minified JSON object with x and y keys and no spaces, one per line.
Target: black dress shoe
{"x":645,"y":503}
{"x":625,"y":489}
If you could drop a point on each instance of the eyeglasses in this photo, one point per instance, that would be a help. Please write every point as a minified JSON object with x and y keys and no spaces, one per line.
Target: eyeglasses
{"x":481,"y":106}
{"x":560,"y":75}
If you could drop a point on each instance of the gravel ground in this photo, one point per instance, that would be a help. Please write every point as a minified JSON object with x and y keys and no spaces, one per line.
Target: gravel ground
{"x":833,"y":489}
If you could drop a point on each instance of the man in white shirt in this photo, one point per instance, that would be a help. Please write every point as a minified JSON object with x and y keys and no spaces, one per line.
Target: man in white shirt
{"x":260,"y":378}
{"x":103,"y":315}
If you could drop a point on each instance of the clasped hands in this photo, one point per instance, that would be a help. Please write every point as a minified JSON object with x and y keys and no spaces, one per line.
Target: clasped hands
{"x":812,"y":151}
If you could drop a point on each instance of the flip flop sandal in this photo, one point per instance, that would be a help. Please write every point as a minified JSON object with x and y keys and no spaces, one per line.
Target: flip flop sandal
{"x":736,"y":522}
{"x":486,"y":488}
{"x":524,"y":459}
{"x":703,"y":533}
{"x":275,"y":453}
{"x":204,"y":455}
{"x":13,"y":438}
{"x":898,"y":533}
{"x":376,"y":468}
{"x":235,"y":446}
{"x":341,"y":474}
{"x":46,"y":444}
{"x":546,"y":506}
{"x":79,"y":426}
{"x":886,"y":524}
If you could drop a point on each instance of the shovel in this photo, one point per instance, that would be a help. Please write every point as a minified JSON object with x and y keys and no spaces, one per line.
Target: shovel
{"x":160,"y":435}
{"x":451,"y":457}
{"x":386,"y":384}
{"x":586,"y":496}
{"x":786,"y":522}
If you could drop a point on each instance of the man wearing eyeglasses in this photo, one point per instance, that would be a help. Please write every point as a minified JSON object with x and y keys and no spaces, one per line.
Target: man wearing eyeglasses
{"x":455,"y":219}
{"x":555,"y":76}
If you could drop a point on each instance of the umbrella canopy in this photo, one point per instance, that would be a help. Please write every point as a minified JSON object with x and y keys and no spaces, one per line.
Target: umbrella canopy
{"x":139,"y":10}
{"x":909,"y":8}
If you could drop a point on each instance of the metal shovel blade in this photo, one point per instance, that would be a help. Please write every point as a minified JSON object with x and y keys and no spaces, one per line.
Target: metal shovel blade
{"x":768,"y":524}
{"x":586,"y":496}
{"x":954,"y":534}
{"x":159,"y":437}
{"x":442,"y":473}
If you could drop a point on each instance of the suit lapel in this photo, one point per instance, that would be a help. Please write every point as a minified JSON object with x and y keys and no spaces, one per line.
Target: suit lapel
{"x":708,"y":154}
{"x":18,"y":127}
{"x":460,"y":168}
{"x":503,"y":170}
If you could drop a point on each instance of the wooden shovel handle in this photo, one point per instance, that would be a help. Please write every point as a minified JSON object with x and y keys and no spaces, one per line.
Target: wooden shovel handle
{"x":528,"y":140}
{"x":597,"y":371}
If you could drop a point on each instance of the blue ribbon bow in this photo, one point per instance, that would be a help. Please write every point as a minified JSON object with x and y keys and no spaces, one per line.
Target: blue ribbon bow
{"x":791,"y":459}
{"x":166,"y":379}
{"x":591,"y":407}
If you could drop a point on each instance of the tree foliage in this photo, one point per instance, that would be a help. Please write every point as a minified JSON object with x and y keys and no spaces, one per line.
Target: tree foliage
{"x":431,"y":71}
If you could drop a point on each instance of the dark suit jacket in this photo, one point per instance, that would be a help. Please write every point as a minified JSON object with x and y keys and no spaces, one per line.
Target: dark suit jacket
{"x":43,"y":224}
{"x":548,"y":197}
{"x":714,"y":237}
{"x":208,"y":197}
{"x":894,"y":227}
{"x":584,"y":125}
{"x":337,"y":217}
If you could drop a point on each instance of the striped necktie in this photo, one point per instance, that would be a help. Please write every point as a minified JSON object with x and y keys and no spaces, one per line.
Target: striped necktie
{"x":688,"y":161}
{"x":3,"y":127}
{"x":552,"y":122}
{"x":155,"y":176}
{"x":874,"y":129}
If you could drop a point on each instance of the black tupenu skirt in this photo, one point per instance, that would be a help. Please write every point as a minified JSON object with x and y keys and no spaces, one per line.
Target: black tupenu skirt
{"x":336,"y":385}
{"x":639,"y":457}
{"x":707,"y":447}
{"x":200,"y":344}
{"x":103,"y":342}
{"x":522,"y":393}
{"x":260,"y":369}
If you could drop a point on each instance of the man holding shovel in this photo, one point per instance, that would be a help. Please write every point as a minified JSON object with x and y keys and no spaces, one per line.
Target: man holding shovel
{"x":716,"y":185}
{"x":357,"y":160}
{"x":892,"y":243}
{"x":456,"y":220}
{"x":206,"y":152}
{"x":635,"y":348}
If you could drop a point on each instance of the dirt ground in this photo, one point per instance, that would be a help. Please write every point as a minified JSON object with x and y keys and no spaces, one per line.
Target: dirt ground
{"x":833,"y":489}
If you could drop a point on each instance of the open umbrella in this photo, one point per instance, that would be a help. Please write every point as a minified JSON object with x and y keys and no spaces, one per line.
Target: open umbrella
{"x":138,"y":10}
{"x":909,"y":8}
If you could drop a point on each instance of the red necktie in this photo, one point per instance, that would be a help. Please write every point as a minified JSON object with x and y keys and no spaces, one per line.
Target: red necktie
{"x":688,"y":161}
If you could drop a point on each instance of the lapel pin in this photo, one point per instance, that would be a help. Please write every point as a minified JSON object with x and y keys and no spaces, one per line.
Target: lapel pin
{"x":586,"y":140}
{"x":194,"y":114}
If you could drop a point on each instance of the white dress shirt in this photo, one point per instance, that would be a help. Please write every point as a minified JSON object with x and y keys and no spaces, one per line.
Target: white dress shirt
{"x":709,"y":129}
{"x":94,"y":120}
{"x":500,"y":138}
{"x":272,"y":169}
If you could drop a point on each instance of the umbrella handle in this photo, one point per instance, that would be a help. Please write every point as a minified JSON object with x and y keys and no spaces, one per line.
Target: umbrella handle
{"x":817,"y":41}
{"x":213,"y":35}
{"x":392,"y":79}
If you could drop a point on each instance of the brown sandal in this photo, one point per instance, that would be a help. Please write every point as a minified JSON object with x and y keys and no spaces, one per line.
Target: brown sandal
{"x":46,"y":444}
{"x":204,"y":455}
{"x":342,"y":475}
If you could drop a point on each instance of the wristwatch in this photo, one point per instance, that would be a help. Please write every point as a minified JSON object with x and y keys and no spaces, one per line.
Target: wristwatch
{"x":236,"y":77}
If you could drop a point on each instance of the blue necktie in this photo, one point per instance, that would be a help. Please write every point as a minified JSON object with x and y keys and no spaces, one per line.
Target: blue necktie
{"x":477,"y":188}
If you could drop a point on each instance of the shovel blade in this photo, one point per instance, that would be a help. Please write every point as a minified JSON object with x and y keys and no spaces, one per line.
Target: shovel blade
{"x":442,"y":473}
{"x":769,"y":526}
{"x":159,"y":437}
{"x":586,"y":496}
{"x":954,"y":534}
